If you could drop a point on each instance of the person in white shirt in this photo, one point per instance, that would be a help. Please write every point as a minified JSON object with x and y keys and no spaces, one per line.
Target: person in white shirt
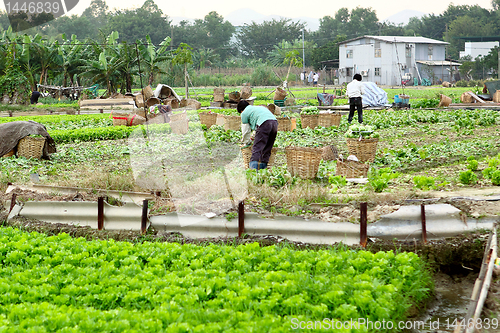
{"x":354,"y":91}
{"x":315,"y":79}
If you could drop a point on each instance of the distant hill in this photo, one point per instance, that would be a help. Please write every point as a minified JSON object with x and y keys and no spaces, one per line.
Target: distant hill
{"x":404,"y":16}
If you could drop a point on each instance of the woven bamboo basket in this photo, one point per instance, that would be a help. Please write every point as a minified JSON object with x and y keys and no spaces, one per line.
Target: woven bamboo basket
{"x":352,"y":169}
{"x":303,"y":161}
{"x":246,"y":92}
{"x":329,"y":153}
{"x":284,"y":123}
{"x":247,"y":154}
{"x":208,"y":119}
{"x":219,"y":94}
{"x":120,"y":121}
{"x":152,"y":101}
{"x":9,"y":154}
{"x":30,"y":147}
{"x":147,"y":92}
{"x":234,"y":96}
{"x":364,"y":149}
{"x":279,"y":94}
{"x":179,"y":123}
{"x":329,"y":119}
{"x":232,"y":123}
{"x":309,"y":120}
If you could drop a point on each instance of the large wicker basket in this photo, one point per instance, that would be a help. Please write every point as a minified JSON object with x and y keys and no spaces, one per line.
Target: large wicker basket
{"x":284,"y":123}
{"x":247,"y":154}
{"x":329,"y":119}
{"x":279,"y":94}
{"x":364,"y":149}
{"x":219,"y":94}
{"x":303,"y":161}
{"x":9,"y":154}
{"x":232,"y":123}
{"x":309,"y":120}
{"x":30,"y":147}
{"x":179,"y":123}
{"x":208,"y":119}
{"x":329,"y":153}
{"x":352,"y":169}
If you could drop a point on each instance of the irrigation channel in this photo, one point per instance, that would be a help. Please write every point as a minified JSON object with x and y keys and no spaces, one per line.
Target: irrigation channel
{"x":454,"y":248}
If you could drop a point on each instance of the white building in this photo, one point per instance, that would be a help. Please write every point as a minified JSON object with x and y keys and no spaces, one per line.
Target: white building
{"x":476,"y":49}
{"x":389,"y":60}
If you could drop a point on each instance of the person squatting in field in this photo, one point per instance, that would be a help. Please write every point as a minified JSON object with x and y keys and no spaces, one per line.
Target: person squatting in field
{"x":265,"y":125}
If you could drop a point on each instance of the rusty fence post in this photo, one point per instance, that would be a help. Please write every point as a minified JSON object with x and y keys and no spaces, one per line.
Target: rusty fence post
{"x":12,"y":202}
{"x":144,"y":219}
{"x":100,"y":213}
{"x":424,"y":226}
{"x":363,"y":207}
{"x":241,"y":218}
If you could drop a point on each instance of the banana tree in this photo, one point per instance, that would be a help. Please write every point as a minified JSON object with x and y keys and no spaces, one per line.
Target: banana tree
{"x":184,"y":56}
{"x":152,"y":57}
{"x":70,"y":52}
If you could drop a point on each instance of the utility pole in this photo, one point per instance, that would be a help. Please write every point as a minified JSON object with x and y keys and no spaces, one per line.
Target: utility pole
{"x":303,"y":53}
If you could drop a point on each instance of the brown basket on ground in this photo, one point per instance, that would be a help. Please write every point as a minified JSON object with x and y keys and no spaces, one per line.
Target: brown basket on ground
{"x":303,"y":161}
{"x":232,"y":123}
{"x":309,"y":120}
{"x":364,"y":149}
{"x":152,"y":101}
{"x":352,"y":169}
{"x":284,"y":123}
{"x":246,"y":92}
{"x":329,"y":153}
{"x":247,"y":154}
{"x":219,"y":94}
{"x":329,"y":119}
{"x":208,"y":119}
{"x":9,"y":154}
{"x":30,"y":147}
{"x":279,"y":94}
{"x":234,"y":96}
{"x":179,"y":123}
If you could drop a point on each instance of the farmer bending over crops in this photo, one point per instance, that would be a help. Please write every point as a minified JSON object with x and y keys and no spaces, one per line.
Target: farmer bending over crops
{"x":354,"y":91}
{"x":260,"y":119}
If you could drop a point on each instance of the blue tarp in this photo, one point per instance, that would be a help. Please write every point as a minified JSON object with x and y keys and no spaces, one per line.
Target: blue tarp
{"x":374,"y":96}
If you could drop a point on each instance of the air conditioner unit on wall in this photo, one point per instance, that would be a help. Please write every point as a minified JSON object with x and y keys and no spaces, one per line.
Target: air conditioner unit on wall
{"x":364,"y":73}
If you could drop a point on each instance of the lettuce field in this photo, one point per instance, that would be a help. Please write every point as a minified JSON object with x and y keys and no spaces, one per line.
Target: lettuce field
{"x":64,"y":284}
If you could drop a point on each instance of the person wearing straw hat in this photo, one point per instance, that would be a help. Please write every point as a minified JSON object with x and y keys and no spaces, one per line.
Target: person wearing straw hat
{"x":265,"y":125}
{"x":354,"y":91}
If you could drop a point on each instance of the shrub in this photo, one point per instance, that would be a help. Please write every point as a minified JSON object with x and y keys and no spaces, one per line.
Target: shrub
{"x":424,"y":183}
{"x":468,"y":177}
{"x":487,"y":173}
{"x":473,"y":164}
{"x":495,"y":177}
{"x":461,"y":83}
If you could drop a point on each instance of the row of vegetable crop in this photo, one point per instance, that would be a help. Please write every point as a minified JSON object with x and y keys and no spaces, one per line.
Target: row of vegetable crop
{"x":60,"y":283}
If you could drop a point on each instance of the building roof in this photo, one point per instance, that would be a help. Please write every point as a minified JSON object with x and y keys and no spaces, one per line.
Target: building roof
{"x":439,"y":62}
{"x":400,"y":39}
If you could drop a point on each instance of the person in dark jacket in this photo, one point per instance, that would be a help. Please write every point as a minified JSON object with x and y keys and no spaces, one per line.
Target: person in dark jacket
{"x":35,"y":95}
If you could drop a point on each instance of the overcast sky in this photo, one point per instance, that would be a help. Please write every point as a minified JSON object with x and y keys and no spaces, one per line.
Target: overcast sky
{"x":291,"y":9}
{"x":315,"y":9}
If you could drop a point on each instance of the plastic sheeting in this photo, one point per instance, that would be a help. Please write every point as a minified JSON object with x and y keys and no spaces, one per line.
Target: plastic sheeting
{"x":374,"y":96}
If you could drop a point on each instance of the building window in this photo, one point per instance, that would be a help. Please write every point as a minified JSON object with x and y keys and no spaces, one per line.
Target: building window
{"x":378,"y":53}
{"x":430,"y":52}
{"x":408,"y":51}
{"x":377,"y":71}
{"x":349,"y":54}
{"x":348,"y":72}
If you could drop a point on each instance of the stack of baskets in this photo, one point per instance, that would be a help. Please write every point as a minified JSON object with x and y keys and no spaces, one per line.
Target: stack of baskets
{"x":329,"y":119}
{"x":284,"y":123}
{"x":247,"y":154}
{"x":30,"y":147}
{"x":363,"y":149}
{"x":303,"y":161}
{"x":232,"y":122}
{"x":208,"y":119}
